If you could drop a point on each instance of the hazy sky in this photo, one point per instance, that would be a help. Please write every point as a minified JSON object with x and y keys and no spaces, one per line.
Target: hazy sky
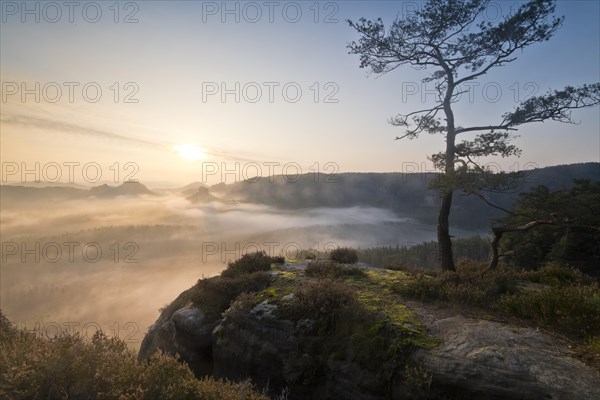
{"x":162,"y":66}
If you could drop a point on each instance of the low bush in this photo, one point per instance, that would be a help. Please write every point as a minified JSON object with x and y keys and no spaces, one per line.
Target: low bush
{"x":214,"y":295}
{"x":575,"y":309}
{"x":322,"y":299}
{"x":103,"y":368}
{"x":278,"y":259}
{"x":330,"y":269}
{"x":247,"y":264}
{"x":465,"y":285}
{"x":556,"y":275}
{"x":344,"y":255}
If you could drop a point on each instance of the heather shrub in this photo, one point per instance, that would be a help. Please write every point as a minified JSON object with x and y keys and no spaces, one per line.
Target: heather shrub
{"x":556,"y":275}
{"x":103,"y":368}
{"x":575,"y":309}
{"x":278,"y":259}
{"x":344,"y":255}
{"x":322,"y":298}
{"x":214,"y":295}
{"x":247,"y":264}
{"x":468,"y":284}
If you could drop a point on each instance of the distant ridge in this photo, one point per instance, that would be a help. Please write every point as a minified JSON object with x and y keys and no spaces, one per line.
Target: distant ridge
{"x":18,"y":193}
{"x":42,"y":184}
{"x":128,"y":188}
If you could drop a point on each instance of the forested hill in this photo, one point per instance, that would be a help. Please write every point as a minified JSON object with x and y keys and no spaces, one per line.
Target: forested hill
{"x":408,"y":194}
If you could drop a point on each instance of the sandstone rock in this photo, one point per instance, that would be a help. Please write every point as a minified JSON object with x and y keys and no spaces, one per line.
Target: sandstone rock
{"x":491,"y":360}
{"x":182,"y":330}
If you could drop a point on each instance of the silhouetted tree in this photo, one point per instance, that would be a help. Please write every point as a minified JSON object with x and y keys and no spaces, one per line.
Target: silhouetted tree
{"x":452,"y":38}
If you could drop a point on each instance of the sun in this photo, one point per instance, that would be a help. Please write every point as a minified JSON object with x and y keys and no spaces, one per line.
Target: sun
{"x":191,"y":151}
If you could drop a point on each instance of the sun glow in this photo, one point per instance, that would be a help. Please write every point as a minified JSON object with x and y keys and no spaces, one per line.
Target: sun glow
{"x":191,"y":152}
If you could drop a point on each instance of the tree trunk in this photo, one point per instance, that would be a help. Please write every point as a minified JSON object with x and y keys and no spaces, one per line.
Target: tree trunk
{"x":495,"y":253}
{"x":443,"y":233}
{"x":443,"y":230}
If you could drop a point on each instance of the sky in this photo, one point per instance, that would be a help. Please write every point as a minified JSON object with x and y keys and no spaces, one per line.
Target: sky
{"x":174,"y":92}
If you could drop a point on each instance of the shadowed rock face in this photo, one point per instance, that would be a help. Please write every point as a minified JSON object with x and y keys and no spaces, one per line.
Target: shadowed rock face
{"x":254,"y":345}
{"x":184,"y":331}
{"x":476,"y":358}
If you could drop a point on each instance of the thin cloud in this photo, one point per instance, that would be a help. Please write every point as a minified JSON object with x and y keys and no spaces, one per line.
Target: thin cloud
{"x":76,"y":129}
{"x":71,"y":128}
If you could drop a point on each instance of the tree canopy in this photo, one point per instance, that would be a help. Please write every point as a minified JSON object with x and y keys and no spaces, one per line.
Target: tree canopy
{"x":560,"y":226}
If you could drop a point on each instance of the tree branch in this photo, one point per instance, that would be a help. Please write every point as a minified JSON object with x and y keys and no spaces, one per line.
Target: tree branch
{"x":485,"y":128}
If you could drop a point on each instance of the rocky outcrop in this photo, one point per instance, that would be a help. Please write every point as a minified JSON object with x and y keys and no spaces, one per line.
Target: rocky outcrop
{"x":281,"y":354}
{"x":255,"y":344}
{"x":474,"y":358}
{"x":492,"y":360}
{"x":185,"y":331}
